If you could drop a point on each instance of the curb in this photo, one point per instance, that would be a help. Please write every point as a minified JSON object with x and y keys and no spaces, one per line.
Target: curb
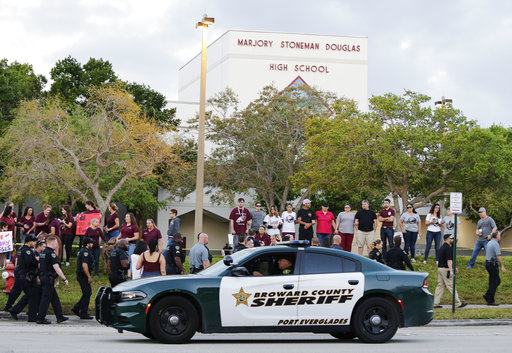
{"x":470,"y":322}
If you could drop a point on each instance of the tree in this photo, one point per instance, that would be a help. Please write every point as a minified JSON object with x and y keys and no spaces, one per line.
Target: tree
{"x":260,"y":148}
{"x":401,"y":146}
{"x":91,"y":152}
{"x":17,"y":82}
{"x":72,"y":82}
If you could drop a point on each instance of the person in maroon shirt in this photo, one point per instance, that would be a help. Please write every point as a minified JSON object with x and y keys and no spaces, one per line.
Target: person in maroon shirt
{"x":130,"y":232}
{"x":6,"y":217}
{"x":95,"y":233}
{"x":27,"y":222}
{"x":54,"y":225}
{"x":66,"y":231}
{"x":13,"y":214}
{"x":240,"y":218}
{"x":90,"y":207}
{"x":262,"y":237}
{"x":41,"y":220}
{"x":151,"y":232}
{"x":112,"y":226}
{"x":387,"y":217}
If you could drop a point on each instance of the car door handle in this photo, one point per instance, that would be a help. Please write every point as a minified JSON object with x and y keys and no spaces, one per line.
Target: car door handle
{"x":288,"y":286}
{"x":353,"y":282}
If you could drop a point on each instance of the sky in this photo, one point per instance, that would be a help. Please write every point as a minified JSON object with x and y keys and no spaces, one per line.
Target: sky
{"x":458,"y":49}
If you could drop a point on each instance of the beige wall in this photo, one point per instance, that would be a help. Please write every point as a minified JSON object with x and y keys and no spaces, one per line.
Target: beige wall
{"x":217,"y":231}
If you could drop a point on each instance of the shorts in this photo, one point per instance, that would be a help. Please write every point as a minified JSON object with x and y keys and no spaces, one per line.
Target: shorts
{"x":363,"y":237}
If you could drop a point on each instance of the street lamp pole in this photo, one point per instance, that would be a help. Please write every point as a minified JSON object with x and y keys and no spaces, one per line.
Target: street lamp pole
{"x":198,"y":222}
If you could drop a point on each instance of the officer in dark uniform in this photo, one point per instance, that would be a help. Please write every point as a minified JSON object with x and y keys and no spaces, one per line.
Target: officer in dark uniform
{"x":285,"y":265}
{"x":175,"y":256}
{"x":48,"y":271}
{"x":25,"y":264}
{"x":118,"y":263}
{"x":396,"y":257}
{"x":84,"y":265}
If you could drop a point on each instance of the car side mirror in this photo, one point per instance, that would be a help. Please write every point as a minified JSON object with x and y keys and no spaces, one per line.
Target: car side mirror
{"x":228,"y":260}
{"x":240,"y":272}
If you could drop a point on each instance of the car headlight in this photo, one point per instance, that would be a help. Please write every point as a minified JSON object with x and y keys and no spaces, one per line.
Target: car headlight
{"x":132,"y":295}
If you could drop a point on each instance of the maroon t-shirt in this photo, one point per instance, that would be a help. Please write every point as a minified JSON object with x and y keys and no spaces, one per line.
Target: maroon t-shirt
{"x":27,"y":224}
{"x":153,"y":234}
{"x":385,"y":214}
{"x":40,"y":218}
{"x":127,"y":231}
{"x":111,"y":220}
{"x":65,"y":230}
{"x":11,"y":226}
{"x":91,"y":211}
{"x":265,"y":238}
{"x":55,"y":224}
{"x":240,"y":218}
{"x":95,"y":235}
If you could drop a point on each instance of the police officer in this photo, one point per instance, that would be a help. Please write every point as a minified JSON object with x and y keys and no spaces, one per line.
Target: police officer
{"x":175,"y":256}
{"x":396,"y":257}
{"x":285,"y":265}
{"x":48,"y":271}
{"x":84,"y":265}
{"x":118,"y":263}
{"x":25,"y":264}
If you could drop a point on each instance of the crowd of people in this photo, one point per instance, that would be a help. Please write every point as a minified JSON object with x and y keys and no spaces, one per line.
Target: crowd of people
{"x":129,"y":253}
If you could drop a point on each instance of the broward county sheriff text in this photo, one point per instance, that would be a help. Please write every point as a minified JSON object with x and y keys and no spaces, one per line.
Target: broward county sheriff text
{"x":304,"y":297}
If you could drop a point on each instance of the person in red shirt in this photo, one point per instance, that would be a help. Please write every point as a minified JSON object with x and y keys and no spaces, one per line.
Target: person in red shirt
{"x":112,"y":226}
{"x":41,"y":220}
{"x":262,"y":237}
{"x":387,"y":217}
{"x":66,"y":231}
{"x":240,"y":218}
{"x":325,"y":225}
{"x":27,"y":220}
{"x":130,"y":232}
{"x":95,"y":233}
{"x":152,"y":232}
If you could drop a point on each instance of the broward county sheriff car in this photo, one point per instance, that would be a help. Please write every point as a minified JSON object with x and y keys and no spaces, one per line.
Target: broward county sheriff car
{"x":322,"y":290}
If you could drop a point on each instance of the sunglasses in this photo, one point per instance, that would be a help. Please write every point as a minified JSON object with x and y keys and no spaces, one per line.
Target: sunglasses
{"x":409,"y":207}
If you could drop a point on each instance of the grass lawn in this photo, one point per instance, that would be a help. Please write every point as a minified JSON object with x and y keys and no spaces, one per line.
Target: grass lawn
{"x":471,"y":285}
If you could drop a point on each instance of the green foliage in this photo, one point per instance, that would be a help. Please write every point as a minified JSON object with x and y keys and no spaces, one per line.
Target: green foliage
{"x":260,"y":147}
{"x":17,"y":82}
{"x":153,"y":104}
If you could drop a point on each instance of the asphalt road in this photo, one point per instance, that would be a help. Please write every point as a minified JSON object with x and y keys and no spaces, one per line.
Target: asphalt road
{"x":73,"y":337}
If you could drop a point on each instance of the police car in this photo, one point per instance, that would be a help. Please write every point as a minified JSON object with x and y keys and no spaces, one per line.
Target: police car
{"x":288,"y":288}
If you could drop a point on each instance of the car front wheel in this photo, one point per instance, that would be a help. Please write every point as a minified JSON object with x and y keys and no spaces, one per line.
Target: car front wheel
{"x":375,"y":320}
{"x":174,"y":320}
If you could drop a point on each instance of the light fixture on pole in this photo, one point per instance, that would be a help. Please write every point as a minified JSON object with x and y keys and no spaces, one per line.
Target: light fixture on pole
{"x":198,"y":222}
{"x":442,"y":104}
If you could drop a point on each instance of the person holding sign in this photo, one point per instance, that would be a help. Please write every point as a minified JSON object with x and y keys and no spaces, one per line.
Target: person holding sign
{"x":10,"y":226}
{"x":130,"y":232}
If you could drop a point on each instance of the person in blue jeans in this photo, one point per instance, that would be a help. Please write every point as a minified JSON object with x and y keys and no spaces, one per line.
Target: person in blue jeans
{"x":434,"y":223}
{"x":387,"y":217}
{"x":410,"y":224}
{"x":484,"y":228}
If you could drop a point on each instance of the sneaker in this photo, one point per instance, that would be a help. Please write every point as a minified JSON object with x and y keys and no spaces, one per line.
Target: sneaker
{"x":14,"y":314}
{"x":86,"y":318}
{"x":44,"y":322}
{"x":62,"y":319}
{"x":470,"y":266}
{"x":67,"y":264}
{"x":424,"y":262}
{"x":413,"y":261}
{"x":463,"y":304}
{"x":438,"y":306}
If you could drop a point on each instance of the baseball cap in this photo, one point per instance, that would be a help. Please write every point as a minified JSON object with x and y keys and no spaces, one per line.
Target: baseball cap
{"x":481,"y":209}
{"x":325,"y":204}
{"x":446,"y":236}
{"x":306,"y":201}
{"x":30,"y":238}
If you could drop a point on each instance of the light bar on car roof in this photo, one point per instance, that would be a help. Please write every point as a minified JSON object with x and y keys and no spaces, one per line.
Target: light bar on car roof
{"x":296,"y":243}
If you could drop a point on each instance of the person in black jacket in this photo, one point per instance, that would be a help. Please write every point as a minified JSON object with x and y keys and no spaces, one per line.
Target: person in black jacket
{"x":396,"y":257}
{"x":376,"y":251}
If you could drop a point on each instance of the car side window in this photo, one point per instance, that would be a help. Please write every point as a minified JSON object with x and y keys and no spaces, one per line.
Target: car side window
{"x":316,"y":263}
{"x":274,"y":264}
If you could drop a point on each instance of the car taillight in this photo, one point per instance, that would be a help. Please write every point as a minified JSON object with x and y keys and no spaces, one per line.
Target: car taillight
{"x":425,"y":283}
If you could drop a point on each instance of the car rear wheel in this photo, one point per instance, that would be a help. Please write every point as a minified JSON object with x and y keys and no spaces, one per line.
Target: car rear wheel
{"x":345,"y":336}
{"x":375,"y":320}
{"x":173,"y":320}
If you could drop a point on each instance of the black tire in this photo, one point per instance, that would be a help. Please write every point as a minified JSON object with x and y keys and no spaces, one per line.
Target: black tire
{"x":173,"y":320}
{"x":375,"y":320}
{"x":345,"y":336}
{"x":149,"y":335}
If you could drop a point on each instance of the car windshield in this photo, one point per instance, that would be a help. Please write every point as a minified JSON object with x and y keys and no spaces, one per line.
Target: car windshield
{"x":219,"y":267}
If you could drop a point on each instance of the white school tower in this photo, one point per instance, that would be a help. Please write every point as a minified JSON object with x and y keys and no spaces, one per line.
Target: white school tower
{"x":247,"y":61}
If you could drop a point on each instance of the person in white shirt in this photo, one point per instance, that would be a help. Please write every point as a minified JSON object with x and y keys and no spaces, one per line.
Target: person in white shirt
{"x":434,"y":222}
{"x":272,"y":221}
{"x":134,"y":258}
{"x":289,"y":217}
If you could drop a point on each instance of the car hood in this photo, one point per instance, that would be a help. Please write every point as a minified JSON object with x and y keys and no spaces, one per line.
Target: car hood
{"x":150,"y":280}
